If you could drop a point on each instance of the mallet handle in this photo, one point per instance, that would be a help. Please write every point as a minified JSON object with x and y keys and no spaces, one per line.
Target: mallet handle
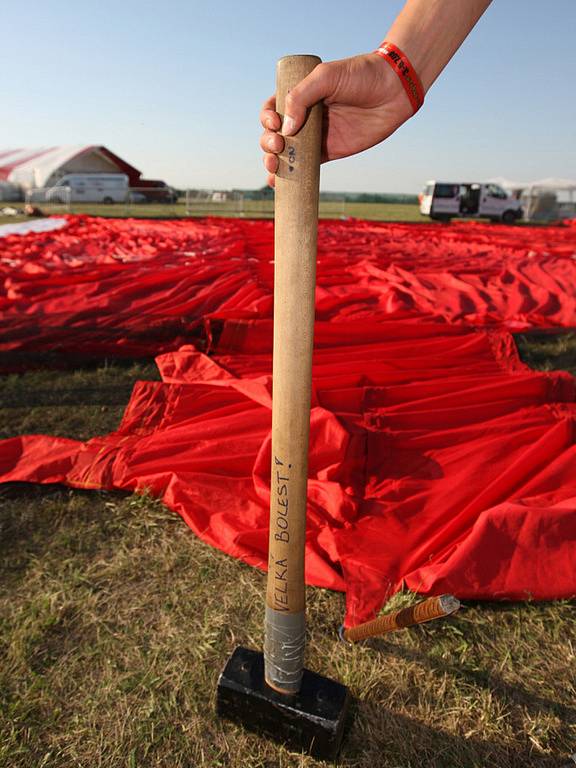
{"x":295,"y":237}
{"x":433,"y":608}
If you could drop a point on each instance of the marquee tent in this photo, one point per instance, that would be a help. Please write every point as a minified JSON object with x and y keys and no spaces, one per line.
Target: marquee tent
{"x":42,"y":166}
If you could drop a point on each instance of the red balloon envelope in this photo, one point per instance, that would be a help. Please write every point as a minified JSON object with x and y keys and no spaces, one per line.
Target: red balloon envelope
{"x":438,"y":460}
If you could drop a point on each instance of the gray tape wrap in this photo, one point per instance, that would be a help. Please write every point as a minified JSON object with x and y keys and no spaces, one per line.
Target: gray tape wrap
{"x":284,"y":645}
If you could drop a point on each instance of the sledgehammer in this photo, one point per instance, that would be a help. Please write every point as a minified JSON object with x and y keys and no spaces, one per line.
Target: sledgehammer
{"x":272,"y":692}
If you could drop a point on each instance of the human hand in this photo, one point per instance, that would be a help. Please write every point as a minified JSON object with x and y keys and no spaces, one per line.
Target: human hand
{"x":364,"y":103}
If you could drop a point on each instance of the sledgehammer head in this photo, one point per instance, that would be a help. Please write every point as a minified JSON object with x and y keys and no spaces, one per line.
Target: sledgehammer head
{"x":313,"y":720}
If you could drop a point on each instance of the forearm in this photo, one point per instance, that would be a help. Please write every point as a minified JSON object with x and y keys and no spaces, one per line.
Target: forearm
{"x":431,"y":31}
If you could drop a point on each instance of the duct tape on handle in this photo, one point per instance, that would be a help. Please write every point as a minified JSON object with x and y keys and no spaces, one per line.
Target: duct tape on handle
{"x":284,"y":646}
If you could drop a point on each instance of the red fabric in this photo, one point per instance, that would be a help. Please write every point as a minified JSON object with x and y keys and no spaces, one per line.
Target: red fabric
{"x":132,"y":288}
{"x":438,"y":460}
{"x":423,"y":475}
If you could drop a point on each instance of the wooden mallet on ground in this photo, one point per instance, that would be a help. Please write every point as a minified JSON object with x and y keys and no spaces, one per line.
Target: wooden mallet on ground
{"x":272,"y":692}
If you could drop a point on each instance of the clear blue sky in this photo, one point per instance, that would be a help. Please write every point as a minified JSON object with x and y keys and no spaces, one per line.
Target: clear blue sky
{"x":175,"y":87}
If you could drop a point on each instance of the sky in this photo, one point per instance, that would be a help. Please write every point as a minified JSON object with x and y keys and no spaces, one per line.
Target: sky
{"x":175,"y":88}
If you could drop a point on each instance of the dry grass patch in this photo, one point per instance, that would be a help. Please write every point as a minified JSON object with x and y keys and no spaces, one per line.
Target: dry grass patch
{"x":116,"y":621}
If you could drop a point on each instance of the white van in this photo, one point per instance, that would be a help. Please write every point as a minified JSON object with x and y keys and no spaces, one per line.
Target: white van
{"x":89,"y":188}
{"x":448,"y":200}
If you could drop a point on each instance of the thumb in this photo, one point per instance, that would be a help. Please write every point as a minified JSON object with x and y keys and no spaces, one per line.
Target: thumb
{"x":316,"y":86}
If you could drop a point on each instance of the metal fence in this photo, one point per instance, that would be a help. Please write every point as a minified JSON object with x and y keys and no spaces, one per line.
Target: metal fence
{"x":165,"y":202}
{"x":223,"y":203}
{"x":156,"y":201}
{"x":50,"y":200}
{"x":209,"y":202}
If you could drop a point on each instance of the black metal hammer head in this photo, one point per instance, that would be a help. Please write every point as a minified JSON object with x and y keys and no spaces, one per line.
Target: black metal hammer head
{"x":313,"y":720}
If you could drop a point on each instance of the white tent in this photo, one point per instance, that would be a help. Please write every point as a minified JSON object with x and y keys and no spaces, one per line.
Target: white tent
{"x":544,"y":199}
{"x":42,"y":166}
{"x":551,"y":183}
{"x":555,"y":184}
{"x":549,"y":199}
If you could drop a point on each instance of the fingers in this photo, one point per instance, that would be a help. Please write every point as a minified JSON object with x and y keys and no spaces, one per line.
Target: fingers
{"x":269,"y":118}
{"x":270,"y":163}
{"x":271,"y":142}
{"x":318,"y":85}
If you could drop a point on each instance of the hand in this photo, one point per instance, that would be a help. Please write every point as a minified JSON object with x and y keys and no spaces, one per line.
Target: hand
{"x":364,"y":103}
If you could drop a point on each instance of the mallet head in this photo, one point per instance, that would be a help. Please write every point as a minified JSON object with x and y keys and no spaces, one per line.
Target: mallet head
{"x":312,"y":720}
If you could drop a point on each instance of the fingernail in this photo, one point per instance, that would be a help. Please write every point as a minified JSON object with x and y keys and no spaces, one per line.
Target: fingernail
{"x":288,"y":126}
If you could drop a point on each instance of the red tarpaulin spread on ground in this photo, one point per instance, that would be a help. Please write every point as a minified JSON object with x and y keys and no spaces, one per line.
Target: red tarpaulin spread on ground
{"x":102,"y":287}
{"x":438,"y":460}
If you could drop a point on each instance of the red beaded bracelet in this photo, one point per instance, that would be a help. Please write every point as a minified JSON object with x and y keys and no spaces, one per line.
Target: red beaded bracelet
{"x":405,"y":71}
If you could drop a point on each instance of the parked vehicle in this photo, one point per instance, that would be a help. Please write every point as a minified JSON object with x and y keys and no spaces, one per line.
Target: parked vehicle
{"x":443,"y":201}
{"x":155,"y":191}
{"x":89,"y":188}
{"x":11,"y":192}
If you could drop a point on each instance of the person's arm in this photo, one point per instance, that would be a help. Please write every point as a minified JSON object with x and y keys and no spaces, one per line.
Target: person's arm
{"x":431,"y":31}
{"x":364,"y":100}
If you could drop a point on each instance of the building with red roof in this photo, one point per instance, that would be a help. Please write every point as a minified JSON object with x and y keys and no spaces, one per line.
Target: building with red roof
{"x":43,"y":166}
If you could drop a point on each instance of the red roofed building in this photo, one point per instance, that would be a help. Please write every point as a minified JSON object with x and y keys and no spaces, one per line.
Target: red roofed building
{"x":43,"y":166}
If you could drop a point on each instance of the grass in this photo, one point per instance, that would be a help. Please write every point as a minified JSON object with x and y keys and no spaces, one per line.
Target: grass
{"x":246,"y":208}
{"x":115,"y":622}
{"x":259,"y":209}
{"x":547,"y":353}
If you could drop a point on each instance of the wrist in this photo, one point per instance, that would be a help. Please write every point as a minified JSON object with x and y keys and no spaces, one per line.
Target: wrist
{"x":418,"y":56}
{"x":431,"y":31}
{"x":405,"y":71}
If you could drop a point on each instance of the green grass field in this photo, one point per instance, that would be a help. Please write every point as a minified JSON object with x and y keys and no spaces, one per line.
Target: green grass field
{"x":246,"y":208}
{"x":115,"y":622}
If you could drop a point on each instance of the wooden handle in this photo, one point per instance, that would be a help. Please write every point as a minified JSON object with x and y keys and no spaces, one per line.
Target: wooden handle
{"x":433,"y":608}
{"x":295,"y":238}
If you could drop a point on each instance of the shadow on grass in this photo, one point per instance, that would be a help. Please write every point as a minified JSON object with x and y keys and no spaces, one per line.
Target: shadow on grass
{"x":32,"y":514}
{"x":486,"y":679}
{"x":548,"y":351}
{"x":108,"y":394}
{"x":384,"y":737}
